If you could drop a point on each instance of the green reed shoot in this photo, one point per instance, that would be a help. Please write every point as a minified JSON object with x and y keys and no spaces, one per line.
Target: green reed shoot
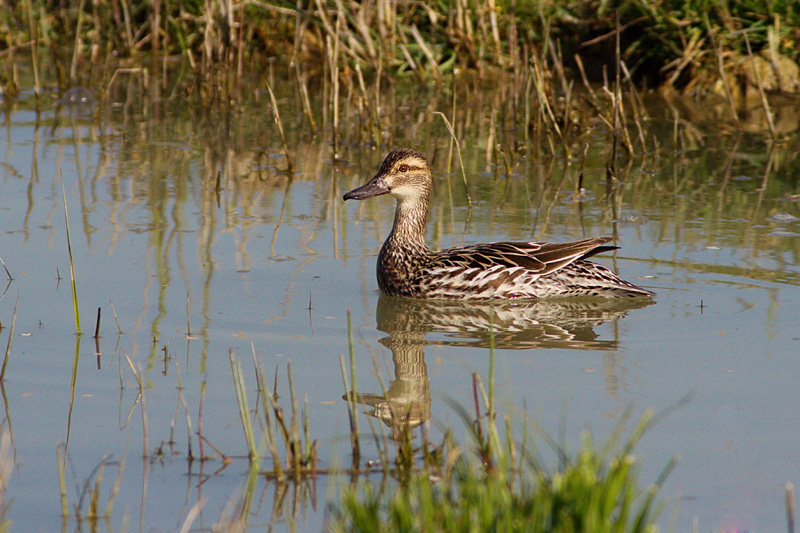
{"x":244,"y":410}
{"x":71,"y":263}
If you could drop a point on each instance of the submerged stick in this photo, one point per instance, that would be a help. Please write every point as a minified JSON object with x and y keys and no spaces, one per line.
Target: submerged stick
{"x":71,"y":262}
{"x":97,"y":327}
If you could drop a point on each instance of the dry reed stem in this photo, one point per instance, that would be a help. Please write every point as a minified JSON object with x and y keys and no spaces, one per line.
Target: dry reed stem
{"x":638,"y":110}
{"x":426,"y":51}
{"x":721,"y":68}
{"x":278,"y":121}
{"x":114,"y":312}
{"x":545,"y":111}
{"x":371,"y":120}
{"x":458,"y":152}
{"x":10,"y":278}
{"x":593,"y":100}
{"x":182,"y":400}
{"x":305,"y":99}
{"x":269,"y":406}
{"x":136,"y":375}
{"x":764,"y":102}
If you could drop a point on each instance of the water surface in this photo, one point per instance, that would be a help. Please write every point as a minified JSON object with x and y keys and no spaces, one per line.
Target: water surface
{"x":190,"y":215}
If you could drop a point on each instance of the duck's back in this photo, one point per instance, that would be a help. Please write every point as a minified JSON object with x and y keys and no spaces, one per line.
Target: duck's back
{"x":512,"y":270}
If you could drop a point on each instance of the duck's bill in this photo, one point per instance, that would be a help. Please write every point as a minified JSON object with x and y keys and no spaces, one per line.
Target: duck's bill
{"x":374,"y":187}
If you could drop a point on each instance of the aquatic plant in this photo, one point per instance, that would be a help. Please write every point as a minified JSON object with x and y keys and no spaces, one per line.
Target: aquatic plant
{"x":495,"y":484}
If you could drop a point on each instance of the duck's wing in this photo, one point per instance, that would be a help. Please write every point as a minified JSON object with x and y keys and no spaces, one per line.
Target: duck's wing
{"x":538,"y":258}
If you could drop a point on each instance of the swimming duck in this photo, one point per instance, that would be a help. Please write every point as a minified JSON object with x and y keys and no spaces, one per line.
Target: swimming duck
{"x":500,"y":270}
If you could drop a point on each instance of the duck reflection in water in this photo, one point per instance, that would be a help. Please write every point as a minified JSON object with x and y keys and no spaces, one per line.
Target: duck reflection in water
{"x":532,"y":324}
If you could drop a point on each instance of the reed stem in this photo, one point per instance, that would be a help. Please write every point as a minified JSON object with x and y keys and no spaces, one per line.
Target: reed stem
{"x":71,"y":263}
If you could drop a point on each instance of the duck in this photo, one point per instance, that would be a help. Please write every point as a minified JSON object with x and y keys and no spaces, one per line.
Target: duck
{"x":500,"y":270}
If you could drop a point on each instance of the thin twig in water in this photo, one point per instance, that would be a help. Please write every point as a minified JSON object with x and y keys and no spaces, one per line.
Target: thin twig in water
{"x":114,"y":311}
{"x":10,"y":278}
{"x":311,"y":291}
{"x":141,"y":396}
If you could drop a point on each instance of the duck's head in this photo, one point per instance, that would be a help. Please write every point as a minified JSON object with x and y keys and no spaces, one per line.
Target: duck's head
{"x":405,"y":174}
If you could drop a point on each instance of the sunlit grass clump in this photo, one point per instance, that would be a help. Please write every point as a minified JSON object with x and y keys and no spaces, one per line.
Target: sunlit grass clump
{"x":595,"y":490}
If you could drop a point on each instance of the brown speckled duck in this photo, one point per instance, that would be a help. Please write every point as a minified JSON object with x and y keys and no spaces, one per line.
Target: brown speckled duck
{"x":406,"y":267}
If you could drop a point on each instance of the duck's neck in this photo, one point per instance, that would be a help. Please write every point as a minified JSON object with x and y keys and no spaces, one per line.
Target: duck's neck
{"x":408,"y":231}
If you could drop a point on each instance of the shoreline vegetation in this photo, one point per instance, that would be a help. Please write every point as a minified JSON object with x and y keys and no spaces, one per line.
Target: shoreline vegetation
{"x":727,"y":47}
{"x":555,"y":69}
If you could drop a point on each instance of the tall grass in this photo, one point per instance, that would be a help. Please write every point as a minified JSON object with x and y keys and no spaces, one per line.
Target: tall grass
{"x":299,"y":459}
{"x":670,"y":42}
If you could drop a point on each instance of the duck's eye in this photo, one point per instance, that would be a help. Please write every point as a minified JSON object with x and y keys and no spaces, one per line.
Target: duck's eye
{"x":403,"y":168}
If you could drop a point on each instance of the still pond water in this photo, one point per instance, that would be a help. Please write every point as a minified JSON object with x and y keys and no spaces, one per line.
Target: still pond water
{"x":174,"y":210}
